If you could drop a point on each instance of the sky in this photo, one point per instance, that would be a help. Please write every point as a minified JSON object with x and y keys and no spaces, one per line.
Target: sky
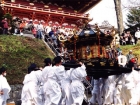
{"x":105,"y":10}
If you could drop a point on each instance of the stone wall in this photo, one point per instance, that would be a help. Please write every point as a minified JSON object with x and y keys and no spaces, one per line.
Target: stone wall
{"x":15,"y":94}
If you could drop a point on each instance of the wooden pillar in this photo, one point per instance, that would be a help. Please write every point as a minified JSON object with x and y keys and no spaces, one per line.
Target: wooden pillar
{"x":11,"y":11}
{"x":63,"y":18}
{"x":47,"y":20}
{"x":33,"y":15}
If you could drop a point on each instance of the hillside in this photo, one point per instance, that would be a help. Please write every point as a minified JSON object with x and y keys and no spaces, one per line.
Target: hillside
{"x":17,"y":52}
{"x":134,"y":48}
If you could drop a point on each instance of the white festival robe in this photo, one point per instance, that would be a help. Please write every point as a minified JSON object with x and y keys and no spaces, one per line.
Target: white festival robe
{"x":138,"y":88}
{"x":77,"y":88}
{"x":109,"y":90}
{"x":129,"y":91}
{"x":45,"y":71}
{"x":4,"y":86}
{"x":60,"y":73}
{"x":118,"y":99}
{"x":52,"y":90}
{"x":25,"y":95}
{"x":66,"y":89}
{"x":96,"y":96}
{"x":32,"y":87}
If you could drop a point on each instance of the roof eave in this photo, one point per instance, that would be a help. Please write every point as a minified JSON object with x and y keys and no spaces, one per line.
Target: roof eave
{"x":87,"y":8}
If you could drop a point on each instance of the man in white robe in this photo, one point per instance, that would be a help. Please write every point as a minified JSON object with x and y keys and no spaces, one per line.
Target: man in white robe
{"x":129,"y":90}
{"x":110,"y":87}
{"x":77,"y":88}
{"x":32,"y":87}
{"x":49,"y":94}
{"x":52,"y":87}
{"x":4,"y":87}
{"x":60,"y":74}
{"x":25,"y":95}
{"x":104,"y":88}
{"x":96,"y":96}
{"x":66,"y":88}
{"x":118,"y":99}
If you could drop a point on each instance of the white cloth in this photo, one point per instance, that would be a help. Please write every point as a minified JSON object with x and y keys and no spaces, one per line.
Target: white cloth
{"x":40,"y":27}
{"x":60,"y":77}
{"x":129,"y":91}
{"x":122,"y":60}
{"x":137,"y":34}
{"x":52,"y":90}
{"x":32,"y":87}
{"x":45,"y":73}
{"x":48,"y":29}
{"x":4,"y":86}
{"x":66,"y":88}
{"x":118,"y":99}
{"x":110,"y":87}
{"x":60,"y":74}
{"x":138,"y":88}
{"x":77,"y":89}
{"x":96,"y":96}
{"x":25,"y":95}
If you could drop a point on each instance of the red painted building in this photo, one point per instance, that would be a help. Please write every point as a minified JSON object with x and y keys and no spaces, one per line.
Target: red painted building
{"x":55,"y":12}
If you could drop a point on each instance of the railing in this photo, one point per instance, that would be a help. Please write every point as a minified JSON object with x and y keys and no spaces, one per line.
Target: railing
{"x":26,"y":6}
{"x":48,"y":40}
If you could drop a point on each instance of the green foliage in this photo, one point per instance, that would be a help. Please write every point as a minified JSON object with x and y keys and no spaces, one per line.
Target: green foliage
{"x":133,"y":17}
{"x":16,"y":54}
{"x":9,"y":18}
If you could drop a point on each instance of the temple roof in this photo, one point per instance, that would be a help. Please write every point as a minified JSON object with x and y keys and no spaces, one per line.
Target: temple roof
{"x":79,"y":6}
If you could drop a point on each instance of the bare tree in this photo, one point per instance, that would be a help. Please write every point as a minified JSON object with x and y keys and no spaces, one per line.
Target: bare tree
{"x":119,"y":16}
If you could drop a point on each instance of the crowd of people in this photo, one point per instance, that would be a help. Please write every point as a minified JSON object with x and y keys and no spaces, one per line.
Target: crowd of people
{"x":18,"y":26}
{"x":128,"y":39}
{"x":53,"y":85}
{"x":116,"y":55}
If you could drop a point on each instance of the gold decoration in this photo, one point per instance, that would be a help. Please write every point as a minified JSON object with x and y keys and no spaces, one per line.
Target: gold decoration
{"x":86,"y":35}
{"x":102,"y":63}
{"x":113,"y":31}
{"x":46,"y":6}
{"x":62,"y":38}
{"x":59,"y":8}
{"x":75,"y":11}
{"x":31,"y":4}
{"x":76,"y":37}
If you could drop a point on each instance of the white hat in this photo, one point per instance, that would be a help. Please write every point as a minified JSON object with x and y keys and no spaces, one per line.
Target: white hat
{"x":130,"y":50}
